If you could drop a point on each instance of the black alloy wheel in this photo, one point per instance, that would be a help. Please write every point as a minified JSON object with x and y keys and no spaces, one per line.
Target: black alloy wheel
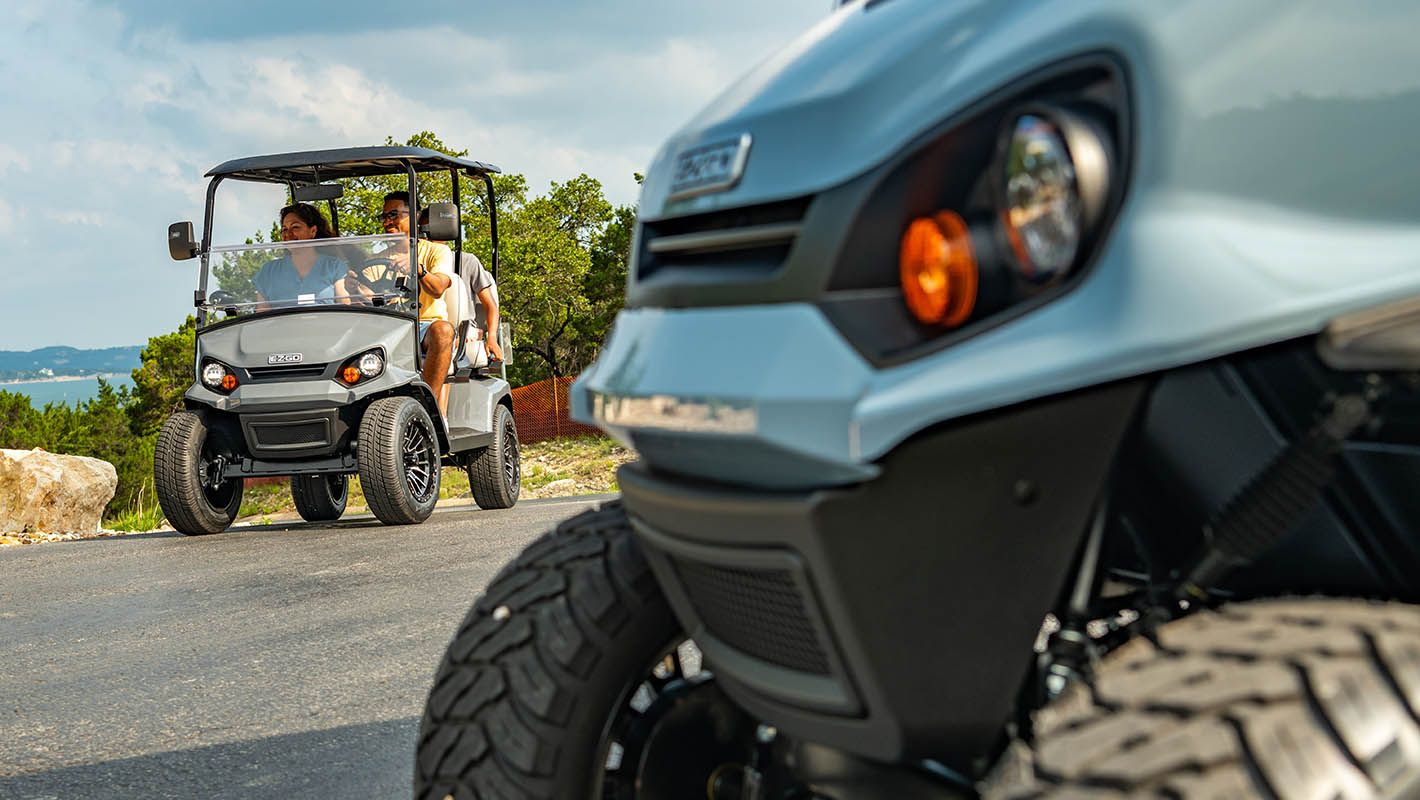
{"x":512,"y":464}
{"x":399,"y":461}
{"x":495,"y":474}
{"x":420,"y":460}
{"x":674,"y":734}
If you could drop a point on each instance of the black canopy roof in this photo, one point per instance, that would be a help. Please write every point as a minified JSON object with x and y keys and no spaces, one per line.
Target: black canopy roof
{"x":314,"y":166}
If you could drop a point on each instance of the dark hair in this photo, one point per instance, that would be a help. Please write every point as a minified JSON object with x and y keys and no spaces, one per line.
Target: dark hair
{"x":401,"y":196}
{"x":308,"y":214}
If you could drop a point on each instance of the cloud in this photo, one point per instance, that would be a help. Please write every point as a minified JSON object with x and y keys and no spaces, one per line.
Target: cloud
{"x":141,"y":98}
{"x":11,"y":157}
{"x":92,"y":218}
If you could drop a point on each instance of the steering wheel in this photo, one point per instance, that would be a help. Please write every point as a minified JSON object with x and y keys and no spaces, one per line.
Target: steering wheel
{"x":227,"y":300}
{"x":384,"y":280}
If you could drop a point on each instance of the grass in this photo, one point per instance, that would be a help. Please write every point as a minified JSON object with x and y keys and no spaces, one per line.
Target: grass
{"x":584,"y":464}
{"x":138,"y":519}
{"x":589,"y":461}
{"x":143,"y":514}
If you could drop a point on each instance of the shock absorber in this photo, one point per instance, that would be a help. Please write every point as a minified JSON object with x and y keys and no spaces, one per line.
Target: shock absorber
{"x":1274,"y":499}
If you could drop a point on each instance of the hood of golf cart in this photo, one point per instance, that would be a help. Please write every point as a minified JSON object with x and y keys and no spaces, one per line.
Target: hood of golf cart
{"x":300,"y":341}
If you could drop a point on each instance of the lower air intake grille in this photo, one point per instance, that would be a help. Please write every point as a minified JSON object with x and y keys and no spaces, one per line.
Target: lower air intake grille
{"x":291,"y":434}
{"x":757,"y":611}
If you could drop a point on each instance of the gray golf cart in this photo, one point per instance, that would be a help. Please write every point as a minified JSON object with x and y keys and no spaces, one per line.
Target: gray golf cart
{"x":320,"y":378}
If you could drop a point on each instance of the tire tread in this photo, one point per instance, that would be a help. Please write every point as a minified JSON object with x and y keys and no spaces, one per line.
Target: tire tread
{"x":502,"y":719}
{"x":1284,"y":699}
{"x":175,"y":464}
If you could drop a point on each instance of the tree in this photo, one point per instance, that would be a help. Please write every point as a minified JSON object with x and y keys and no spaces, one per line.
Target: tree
{"x":19,"y":422}
{"x":159,"y":384}
{"x":604,"y":285}
{"x":546,"y":258}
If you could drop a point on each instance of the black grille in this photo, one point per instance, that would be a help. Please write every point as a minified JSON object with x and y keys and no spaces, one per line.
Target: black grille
{"x":291,"y":434}
{"x":757,"y":611}
{"x":753,"y":238}
{"x":302,"y":372}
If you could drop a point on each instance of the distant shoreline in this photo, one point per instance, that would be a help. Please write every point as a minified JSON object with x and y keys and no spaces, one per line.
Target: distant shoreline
{"x":64,"y":378}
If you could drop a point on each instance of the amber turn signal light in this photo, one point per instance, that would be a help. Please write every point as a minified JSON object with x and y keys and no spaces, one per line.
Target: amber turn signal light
{"x":938,"y":269}
{"x":350,"y":375}
{"x":229,"y":381}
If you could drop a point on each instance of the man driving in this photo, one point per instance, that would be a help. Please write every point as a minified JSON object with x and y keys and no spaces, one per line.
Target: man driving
{"x":436,"y":275}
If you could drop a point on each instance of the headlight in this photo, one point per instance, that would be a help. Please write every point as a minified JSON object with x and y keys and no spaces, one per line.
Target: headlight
{"x":363,"y":367}
{"x":371,"y":365}
{"x":990,"y":215}
{"x":218,"y":377}
{"x":1055,"y":178}
{"x":1052,"y":178}
{"x":1042,"y":214}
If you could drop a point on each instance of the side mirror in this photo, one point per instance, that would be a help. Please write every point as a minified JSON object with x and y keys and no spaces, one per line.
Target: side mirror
{"x":1385,"y":338}
{"x":443,"y":223}
{"x":181,"y":243}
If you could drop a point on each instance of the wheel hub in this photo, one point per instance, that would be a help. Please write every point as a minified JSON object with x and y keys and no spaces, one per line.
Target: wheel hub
{"x":676,"y":736}
{"x":418,"y":461}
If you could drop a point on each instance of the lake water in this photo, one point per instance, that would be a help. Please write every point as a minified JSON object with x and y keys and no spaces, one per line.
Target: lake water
{"x":71,"y":392}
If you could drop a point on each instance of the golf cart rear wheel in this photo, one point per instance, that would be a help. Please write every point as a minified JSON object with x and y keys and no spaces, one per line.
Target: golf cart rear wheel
{"x":567,"y":679}
{"x":320,"y":498}
{"x":187,"y":474}
{"x":1283,"y":699}
{"x":399,"y":461}
{"x":495,"y":474}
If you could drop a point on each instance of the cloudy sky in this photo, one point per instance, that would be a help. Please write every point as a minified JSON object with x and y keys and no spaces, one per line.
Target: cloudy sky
{"x":113,"y":111}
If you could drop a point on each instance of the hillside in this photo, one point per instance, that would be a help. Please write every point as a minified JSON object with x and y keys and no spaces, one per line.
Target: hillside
{"x":17,"y":365}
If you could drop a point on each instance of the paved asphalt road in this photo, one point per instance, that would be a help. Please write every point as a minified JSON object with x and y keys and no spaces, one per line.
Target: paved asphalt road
{"x":282,"y":661}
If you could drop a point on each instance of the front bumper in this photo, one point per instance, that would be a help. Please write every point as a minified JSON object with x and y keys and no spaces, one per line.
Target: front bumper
{"x":781,"y":418}
{"x":893,"y":619}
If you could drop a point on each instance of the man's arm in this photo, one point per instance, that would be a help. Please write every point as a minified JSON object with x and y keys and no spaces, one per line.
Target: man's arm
{"x":490,"y":308}
{"x":440,"y":276}
{"x":435,"y":283}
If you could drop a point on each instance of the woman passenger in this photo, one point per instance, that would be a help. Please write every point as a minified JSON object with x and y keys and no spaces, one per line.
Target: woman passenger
{"x":302,"y":274}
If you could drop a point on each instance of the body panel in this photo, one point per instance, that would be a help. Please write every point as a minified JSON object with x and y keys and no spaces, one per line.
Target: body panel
{"x":1264,"y":199}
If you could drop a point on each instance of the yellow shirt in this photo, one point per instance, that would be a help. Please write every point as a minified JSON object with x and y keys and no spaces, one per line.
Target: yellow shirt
{"x":434,"y":257}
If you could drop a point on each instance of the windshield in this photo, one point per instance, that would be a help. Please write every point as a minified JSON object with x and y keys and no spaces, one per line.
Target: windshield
{"x":367,"y":271}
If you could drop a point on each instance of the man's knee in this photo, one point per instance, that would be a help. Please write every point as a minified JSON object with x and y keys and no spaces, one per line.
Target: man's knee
{"x":439,"y":336}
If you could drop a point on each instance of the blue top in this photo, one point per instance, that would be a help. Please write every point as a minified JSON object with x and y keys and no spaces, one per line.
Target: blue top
{"x":278,"y":280}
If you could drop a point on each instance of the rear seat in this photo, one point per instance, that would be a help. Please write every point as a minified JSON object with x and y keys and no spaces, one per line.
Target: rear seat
{"x":470,"y":352}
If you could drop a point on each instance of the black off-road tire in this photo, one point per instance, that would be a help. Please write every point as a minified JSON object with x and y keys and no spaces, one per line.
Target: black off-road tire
{"x":320,"y":498}
{"x":385,"y":475}
{"x":1284,"y":699}
{"x":525,"y":691}
{"x":495,"y":474}
{"x":178,"y":463}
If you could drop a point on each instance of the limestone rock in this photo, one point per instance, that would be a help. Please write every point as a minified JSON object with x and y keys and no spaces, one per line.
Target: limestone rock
{"x":52,"y":493}
{"x":562,"y":485}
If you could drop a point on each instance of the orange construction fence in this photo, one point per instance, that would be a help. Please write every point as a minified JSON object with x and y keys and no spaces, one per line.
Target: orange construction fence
{"x":540,"y":410}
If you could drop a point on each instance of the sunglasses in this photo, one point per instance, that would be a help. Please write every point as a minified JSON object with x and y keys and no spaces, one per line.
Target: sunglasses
{"x":391,"y":216}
